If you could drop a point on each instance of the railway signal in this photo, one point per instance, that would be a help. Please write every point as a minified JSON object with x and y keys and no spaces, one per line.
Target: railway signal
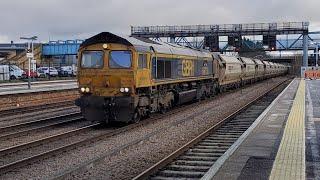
{"x":29,"y":55}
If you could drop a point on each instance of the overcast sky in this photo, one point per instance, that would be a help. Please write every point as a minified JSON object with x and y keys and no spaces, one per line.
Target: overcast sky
{"x":79,"y":19}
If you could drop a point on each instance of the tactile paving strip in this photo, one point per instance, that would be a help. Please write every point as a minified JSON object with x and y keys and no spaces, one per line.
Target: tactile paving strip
{"x":290,"y":160}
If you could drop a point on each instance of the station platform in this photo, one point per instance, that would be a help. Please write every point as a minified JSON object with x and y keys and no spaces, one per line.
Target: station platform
{"x":40,"y":86}
{"x":283,"y":143}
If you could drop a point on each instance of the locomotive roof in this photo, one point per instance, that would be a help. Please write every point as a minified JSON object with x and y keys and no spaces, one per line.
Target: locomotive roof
{"x":144,"y":45}
{"x":105,"y":37}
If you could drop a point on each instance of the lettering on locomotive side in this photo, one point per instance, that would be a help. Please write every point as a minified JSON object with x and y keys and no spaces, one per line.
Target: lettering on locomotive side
{"x":187,"y":68}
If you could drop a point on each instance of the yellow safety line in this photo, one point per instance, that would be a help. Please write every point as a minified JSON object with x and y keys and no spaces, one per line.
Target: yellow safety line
{"x":290,"y":160}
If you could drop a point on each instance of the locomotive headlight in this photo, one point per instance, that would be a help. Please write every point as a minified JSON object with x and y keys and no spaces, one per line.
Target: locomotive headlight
{"x":105,"y":46}
{"x":83,"y":89}
{"x":124,"y":90}
{"x":87,"y":90}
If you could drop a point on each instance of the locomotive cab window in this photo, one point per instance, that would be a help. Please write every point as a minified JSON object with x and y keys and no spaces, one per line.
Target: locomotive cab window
{"x":92,"y":59}
{"x":120,"y":59}
{"x":142,"y":61}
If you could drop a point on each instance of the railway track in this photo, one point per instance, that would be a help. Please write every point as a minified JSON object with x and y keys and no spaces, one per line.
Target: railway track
{"x":25,"y":154}
{"x":70,"y":173}
{"x":11,"y":112}
{"x":27,"y":149}
{"x":196,"y":157}
{"x":39,"y":124}
{"x":6,"y":154}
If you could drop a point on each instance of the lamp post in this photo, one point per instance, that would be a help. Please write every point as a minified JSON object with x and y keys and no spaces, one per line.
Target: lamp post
{"x":30,"y":55}
{"x":317,"y":52}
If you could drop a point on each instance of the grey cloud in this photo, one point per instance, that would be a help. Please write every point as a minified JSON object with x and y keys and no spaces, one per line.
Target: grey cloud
{"x":70,"y":19}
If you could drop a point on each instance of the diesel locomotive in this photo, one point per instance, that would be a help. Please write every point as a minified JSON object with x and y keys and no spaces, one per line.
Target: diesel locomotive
{"x":124,"y":78}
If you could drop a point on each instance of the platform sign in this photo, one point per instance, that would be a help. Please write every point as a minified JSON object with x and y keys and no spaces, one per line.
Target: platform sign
{"x":29,"y":55}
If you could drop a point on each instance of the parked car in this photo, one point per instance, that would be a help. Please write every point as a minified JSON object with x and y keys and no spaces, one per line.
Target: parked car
{"x":65,"y":71}
{"x":74,"y":69}
{"x":40,"y":73}
{"x":15,"y":72}
{"x":32,"y":74}
{"x":52,"y":72}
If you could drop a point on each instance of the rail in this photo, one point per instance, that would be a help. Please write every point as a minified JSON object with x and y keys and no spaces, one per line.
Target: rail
{"x":49,"y":122}
{"x":28,"y":126}
{"x":22,"y":162}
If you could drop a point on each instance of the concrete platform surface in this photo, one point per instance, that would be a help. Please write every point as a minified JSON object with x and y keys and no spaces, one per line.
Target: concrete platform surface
{"x":285,"y":143}
{"x":40,"y":86}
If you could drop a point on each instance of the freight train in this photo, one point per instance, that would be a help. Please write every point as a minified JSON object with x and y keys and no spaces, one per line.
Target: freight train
{"x":124,"y":78}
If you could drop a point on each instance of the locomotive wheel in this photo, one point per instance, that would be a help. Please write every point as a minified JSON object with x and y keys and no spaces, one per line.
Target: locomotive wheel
{"x":148,"y":114}
{"x":163,"y":109}
{"x":136,"y":117}
{"x":106,"y":117}
{"x":208,"y":94}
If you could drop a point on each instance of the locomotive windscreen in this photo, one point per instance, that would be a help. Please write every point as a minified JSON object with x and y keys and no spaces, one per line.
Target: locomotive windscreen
{"x":92,"y":59}
{"x":120,"y":59}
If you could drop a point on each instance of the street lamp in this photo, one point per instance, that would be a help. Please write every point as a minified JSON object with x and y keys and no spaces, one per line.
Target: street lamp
{"x":29,"y":55}
{"x":317,"y":51}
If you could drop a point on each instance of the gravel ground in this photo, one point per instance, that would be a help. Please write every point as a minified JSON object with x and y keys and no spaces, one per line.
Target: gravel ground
{"x":43,"y":133}
{"x":46,"y":147}
{"x":26,"y":117}
{"x":156,"y":140}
